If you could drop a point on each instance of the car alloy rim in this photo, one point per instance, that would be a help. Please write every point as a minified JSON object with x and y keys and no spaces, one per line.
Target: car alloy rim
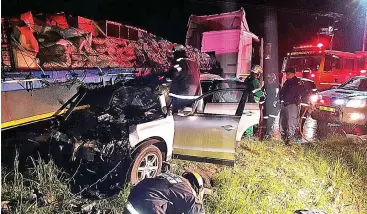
{"x":148,"y":166}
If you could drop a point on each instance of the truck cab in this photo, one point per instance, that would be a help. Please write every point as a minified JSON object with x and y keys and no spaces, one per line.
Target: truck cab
{"x":228,"y":36}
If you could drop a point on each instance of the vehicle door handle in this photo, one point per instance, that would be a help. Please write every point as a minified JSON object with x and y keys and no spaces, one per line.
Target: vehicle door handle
{"x":228,"y":127}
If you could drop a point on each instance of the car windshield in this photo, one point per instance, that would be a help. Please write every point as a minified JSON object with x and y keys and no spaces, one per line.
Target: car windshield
{"x":357,"y":84}
{"x":302,"y":62}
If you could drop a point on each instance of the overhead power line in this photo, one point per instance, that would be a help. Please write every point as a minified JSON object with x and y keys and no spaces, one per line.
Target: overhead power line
{"x":287,"y":10}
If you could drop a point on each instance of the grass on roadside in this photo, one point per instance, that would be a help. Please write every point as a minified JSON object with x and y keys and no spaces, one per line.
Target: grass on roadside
{"x":272,"y":178}
{"x":268,"y":178}
{"x":44,"y":188}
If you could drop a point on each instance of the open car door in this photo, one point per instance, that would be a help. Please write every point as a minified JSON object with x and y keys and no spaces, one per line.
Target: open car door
{"x":209,"y":134}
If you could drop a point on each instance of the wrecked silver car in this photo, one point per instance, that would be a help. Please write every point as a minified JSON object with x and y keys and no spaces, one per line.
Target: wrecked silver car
{"x":129,"y":128}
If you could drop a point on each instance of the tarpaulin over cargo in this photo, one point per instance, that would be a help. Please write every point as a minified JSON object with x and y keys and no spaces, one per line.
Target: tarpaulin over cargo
{"x":25,"y":38}
{"x":65,"y":47}
{"x":28,"y":19}
{"x":58,"y":20}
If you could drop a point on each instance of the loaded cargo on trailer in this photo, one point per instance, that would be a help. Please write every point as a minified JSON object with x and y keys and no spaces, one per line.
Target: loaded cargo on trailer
{"x":45,"y":58}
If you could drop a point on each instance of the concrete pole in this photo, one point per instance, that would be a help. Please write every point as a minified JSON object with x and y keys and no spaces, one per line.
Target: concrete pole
{"x":271,"y":74}
{"x":365,"y":32}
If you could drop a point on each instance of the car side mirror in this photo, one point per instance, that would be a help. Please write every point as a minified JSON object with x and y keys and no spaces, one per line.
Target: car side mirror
{"x":187,"y":111}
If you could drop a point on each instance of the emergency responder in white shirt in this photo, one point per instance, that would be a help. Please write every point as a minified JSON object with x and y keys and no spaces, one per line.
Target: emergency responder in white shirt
{"x":185,"y":76}
{"x":168,"y":193}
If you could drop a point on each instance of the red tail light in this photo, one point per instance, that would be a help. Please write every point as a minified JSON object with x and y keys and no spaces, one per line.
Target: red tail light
{"x":324,"y":100}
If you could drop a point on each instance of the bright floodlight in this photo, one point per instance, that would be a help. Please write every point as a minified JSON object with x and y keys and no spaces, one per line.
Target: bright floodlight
{"x":320,"y":45}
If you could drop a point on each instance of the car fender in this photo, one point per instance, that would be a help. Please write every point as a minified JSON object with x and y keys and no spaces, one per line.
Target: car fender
{"x":157,"y":129}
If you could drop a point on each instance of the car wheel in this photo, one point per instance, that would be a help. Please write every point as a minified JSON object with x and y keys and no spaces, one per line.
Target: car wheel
{"x":147,"y":164}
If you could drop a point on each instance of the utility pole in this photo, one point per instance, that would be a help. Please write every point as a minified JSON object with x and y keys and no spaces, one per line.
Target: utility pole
{"x":364,"y":34}
{"x":271,"y":73}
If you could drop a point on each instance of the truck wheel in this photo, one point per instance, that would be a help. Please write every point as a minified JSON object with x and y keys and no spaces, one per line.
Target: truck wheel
{"x":147,"y":164}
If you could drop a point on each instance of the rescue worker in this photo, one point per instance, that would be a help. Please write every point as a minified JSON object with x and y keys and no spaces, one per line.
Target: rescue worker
{"x":290,"y":97}
{"x":167,"y":193}
{"x":185,"y":76}
{"x":256,"y":95}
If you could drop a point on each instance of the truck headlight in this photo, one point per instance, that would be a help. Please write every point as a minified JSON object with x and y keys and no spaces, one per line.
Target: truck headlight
{"x":356,"y":103}
{"x":314,"y":98}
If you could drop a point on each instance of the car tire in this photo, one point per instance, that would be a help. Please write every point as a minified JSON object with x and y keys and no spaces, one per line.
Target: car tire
{"x":147,"y":164}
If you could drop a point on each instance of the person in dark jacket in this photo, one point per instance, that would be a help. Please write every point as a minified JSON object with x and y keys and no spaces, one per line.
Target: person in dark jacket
{"x":185,"y":76}
{"x":167,"y":193}
{"x":290,"y":97}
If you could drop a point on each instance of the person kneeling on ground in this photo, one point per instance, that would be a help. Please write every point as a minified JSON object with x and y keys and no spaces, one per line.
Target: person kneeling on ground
{"x":167,"y":193}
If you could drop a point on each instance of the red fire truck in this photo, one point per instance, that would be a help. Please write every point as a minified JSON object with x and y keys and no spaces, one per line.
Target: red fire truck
{"x":326,"y":68}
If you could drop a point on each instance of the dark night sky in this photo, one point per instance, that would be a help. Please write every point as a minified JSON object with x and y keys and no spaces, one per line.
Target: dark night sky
{"x":170,"y":23}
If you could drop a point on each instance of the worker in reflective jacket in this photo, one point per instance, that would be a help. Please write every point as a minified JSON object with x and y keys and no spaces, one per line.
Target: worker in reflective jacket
{"x":167,"y":193}
{"x":185,"y":76}
{"x":256,"y":95}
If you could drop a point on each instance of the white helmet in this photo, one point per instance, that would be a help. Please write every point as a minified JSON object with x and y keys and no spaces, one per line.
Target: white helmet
{"x":178,"y":48}
{"x":257,"y":69}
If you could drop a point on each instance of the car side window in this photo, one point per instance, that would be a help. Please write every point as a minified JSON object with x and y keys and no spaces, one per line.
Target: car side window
{"x":224,"y":102}
{"x":227,"y":97}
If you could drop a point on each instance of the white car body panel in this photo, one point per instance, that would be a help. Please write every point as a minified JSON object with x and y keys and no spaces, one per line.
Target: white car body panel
{"x":163,"y":128}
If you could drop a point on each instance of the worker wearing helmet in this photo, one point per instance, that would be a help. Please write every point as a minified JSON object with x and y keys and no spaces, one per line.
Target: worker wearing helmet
{"x":185,"y":76}
{"x":256,"y":95}
{"x":167,"y":193}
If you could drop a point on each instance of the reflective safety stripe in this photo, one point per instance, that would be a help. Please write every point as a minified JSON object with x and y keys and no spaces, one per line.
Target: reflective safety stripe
{"x":304,"y":104}
{"x":199,"y":179}
{"x":326,"y":83}
{"x":273,"y":116}
{"x":179,"y":59}
{"x":38,"y":117}
{"x":262,"y":102}
{"x":178,"y":68}
{"x":314,"y":89}
{"x":131,"y":209}
{"x":256,"y":90}
{"x":173,"y":179}
{"x":184,"y":97}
